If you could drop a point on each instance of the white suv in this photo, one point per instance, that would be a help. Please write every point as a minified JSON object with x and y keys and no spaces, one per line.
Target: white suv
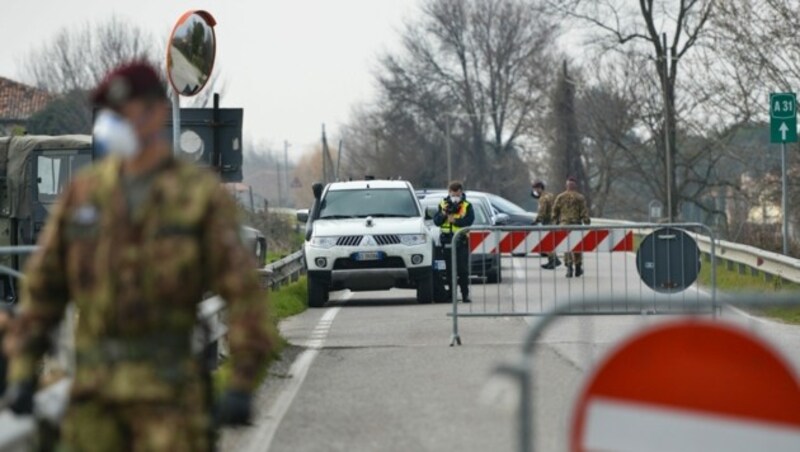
{"x":366,"y":235}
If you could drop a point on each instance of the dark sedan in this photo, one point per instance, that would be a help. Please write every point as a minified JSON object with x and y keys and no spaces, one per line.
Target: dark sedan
{"x":517,"y":216}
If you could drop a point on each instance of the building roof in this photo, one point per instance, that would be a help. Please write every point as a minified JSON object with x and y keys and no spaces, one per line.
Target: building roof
{"x":19,"y":101}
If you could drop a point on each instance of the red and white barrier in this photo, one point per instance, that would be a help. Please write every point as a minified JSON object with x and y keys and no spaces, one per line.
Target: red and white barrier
{"x":558,"y":241}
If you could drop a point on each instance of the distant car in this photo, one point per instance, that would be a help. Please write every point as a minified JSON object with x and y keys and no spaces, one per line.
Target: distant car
{"x":485,"y":266}
{"x":517,"y":216}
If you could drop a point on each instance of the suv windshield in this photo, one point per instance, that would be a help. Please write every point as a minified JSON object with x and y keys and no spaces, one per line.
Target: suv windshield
{"x":55,"y":170}
{"x":387,"y":202}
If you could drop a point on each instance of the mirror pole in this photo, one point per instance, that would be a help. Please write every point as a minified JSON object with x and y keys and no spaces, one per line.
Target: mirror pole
{"x":176,"y":122}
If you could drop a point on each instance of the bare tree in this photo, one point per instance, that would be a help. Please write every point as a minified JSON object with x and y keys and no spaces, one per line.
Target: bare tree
{"x":565,"y":139}
{"x":760,"y":37}
{"x":78,"y":58}
{"x":617,"y":24}
{"x":607,"y":112}
{"x":477,"y":66}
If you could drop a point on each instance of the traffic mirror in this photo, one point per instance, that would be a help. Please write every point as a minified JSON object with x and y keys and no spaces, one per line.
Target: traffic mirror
{"x":191,"y":52}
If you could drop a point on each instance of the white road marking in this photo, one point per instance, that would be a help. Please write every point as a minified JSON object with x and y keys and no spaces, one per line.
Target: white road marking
{"x":262,"y":439}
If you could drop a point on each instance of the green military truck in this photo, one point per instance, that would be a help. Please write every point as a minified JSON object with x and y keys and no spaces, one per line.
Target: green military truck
{"x":34,"y":170}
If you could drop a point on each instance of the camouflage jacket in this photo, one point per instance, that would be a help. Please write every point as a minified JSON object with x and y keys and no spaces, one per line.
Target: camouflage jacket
{"x":570,"y":208}
{"x":544,"y":215}
{"x":136,"y":281}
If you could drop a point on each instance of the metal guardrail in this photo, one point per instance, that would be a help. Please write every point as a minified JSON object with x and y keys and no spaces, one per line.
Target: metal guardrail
{"x":283,"y":271}
{"x":273,"y":276}
{"x":743,"y":258}
{"x":19,"y":433}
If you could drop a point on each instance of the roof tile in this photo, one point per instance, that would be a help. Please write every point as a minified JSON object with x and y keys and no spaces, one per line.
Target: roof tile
{"x":19,"y":101}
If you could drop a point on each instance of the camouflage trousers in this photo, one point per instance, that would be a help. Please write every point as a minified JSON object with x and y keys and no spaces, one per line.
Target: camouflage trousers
{"x":98,"y":426}
{"x":573,"y":258}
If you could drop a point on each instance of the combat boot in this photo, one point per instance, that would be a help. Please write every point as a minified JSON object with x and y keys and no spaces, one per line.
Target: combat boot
{"x":569,"y":270}
{"x":578,"y":270}
{"x":552,"y":262}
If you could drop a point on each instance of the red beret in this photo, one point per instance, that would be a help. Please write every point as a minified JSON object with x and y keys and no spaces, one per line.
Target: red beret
{"x":137,"y":80}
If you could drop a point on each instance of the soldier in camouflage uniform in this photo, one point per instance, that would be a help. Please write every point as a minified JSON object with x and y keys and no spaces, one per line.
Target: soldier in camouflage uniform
{"x":136,"y":242}
{"x":545,"y":216}
{"x":570,"y":208}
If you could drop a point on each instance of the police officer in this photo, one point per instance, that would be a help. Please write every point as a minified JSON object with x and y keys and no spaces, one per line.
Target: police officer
{"x":455,"y":213}
{"x":544,"y":216}
{"x":570,"y":208}
{"x":136,"y":241}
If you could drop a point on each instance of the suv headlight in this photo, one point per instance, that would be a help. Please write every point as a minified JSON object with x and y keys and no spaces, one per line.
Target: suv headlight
{"x":324,"y":242}
{"x":413,"y":239}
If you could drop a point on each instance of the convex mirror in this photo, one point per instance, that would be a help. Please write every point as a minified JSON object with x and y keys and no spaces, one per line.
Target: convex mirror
{"x":191,"y":52}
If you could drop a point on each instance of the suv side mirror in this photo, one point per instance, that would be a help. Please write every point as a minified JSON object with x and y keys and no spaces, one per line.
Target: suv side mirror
{"x":430,"y":211}
{"x":317,"y":190}
{"x":501,"y":219}
{"x":302,"y":215}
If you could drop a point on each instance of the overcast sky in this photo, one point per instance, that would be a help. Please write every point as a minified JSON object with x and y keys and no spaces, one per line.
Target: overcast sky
{"x":291,"y":64}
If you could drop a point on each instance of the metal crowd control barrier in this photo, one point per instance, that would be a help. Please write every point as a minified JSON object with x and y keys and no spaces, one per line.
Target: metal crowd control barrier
{"x":522,"y":371}
{"x":609,"y":269}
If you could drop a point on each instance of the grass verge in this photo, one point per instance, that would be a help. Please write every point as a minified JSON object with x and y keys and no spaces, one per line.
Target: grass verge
{"x":288,"y":301}
{"x":732,"y":282}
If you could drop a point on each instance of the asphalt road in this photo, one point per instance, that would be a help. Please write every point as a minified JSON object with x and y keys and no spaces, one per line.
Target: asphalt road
{"x":374,"y":371}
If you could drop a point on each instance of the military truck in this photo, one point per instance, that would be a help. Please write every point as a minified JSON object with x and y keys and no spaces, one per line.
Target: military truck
{"x":34,"y":170}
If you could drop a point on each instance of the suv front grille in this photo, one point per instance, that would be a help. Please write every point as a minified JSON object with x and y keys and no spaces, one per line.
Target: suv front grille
{"x":388,"y":239}
{"x":344,"y":263}
{"x":349,"y":240}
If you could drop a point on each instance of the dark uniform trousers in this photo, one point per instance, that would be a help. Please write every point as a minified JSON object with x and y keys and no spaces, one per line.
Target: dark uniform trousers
{"x":462,"y":263}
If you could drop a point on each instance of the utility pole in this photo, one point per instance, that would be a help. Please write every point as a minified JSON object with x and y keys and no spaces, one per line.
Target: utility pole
{"x":280,"y":185}
{"x":338,"y":161}
{"x":286,"y":168}
{"x":667,"y":116}
{"x":447,"y":148}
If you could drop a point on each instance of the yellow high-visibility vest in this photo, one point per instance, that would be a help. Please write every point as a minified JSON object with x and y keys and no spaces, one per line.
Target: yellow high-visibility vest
{"x":449,"y":228}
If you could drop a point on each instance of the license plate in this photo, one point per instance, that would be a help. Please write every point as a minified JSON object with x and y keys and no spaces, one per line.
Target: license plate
{"x":368,"y":256}
{"x":439,"y":265}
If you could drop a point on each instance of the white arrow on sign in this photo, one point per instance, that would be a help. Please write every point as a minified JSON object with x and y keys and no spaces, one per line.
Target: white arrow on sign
{"x":784,"y":128}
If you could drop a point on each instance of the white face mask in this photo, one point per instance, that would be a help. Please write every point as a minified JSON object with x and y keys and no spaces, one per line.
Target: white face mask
{"x":455,"y":199}
{"x":114,"y":135}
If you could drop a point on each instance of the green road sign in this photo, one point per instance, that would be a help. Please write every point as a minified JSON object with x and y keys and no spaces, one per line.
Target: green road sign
{"x":783,"y":118}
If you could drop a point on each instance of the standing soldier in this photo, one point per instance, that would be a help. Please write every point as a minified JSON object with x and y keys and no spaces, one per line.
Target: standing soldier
{"x":455,"y":213}
{"x":570,"y":208}
{"x":544,"y":216}
{"x":136,"y":242}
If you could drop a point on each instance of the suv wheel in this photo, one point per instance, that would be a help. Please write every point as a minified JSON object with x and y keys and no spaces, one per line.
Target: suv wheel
{"x":425,"y":289}
{"x":317,"y":293}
